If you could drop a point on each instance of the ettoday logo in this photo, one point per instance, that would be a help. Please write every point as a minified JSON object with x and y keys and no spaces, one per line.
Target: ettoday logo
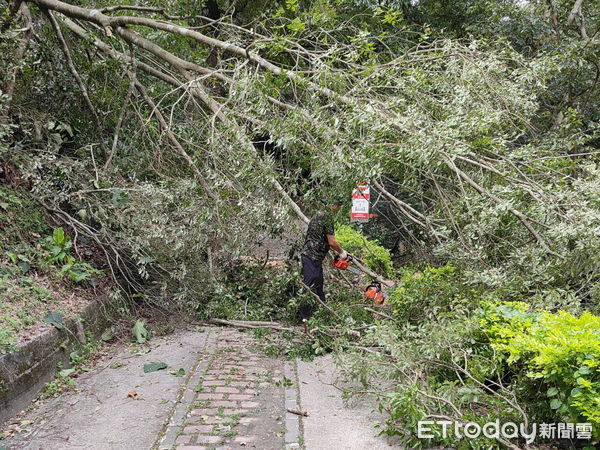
{"x":427,"y":429}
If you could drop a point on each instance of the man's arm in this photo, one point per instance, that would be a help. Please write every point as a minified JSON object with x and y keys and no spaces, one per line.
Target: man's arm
{"x":335,"y":246}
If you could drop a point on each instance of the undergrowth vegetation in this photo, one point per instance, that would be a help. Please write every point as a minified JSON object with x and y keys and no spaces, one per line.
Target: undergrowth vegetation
{"x":442,"y":346}
{"x":38,"y":268}
{"x":374,"y":255}
{"x":462,"y":354}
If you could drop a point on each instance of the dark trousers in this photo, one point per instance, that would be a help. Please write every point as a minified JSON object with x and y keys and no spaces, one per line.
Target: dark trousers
{"x":312,"y":272}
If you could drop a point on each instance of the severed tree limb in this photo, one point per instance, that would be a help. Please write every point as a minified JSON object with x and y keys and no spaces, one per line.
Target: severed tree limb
{"x":518,"y":214}
{"x":363,"y":267}
{"x":180,"y":64}
{"x":121,"y":57}
{"x":325,"y":305}
{"x":118,"y":23}
{"x":250,"y":324}
{"x":195,"y":88}
{"x":379,"y":313}
{"x":408,"y":211}
{"x":170,"y":135}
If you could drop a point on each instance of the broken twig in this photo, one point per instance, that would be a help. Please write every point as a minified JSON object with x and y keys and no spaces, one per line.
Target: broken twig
{"x":298,"y":412}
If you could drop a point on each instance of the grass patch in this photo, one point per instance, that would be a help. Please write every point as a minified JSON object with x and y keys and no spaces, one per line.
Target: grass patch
{"x":23,"y":302}
{"x":38,"y":274}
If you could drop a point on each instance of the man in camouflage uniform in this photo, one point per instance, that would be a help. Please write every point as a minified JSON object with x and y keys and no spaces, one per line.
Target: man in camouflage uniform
{"x":319,"y":239}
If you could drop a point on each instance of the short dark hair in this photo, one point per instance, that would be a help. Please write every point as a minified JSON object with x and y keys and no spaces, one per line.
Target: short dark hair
{"x":333,"y":200}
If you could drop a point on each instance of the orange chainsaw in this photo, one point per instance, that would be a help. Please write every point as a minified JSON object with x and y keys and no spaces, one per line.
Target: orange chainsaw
{"x":344,"y":264}
{"x":374,"y":291}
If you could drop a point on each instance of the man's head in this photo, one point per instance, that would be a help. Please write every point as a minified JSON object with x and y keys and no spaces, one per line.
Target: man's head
{"x":335,"y":203}
{"x":335,"y":207}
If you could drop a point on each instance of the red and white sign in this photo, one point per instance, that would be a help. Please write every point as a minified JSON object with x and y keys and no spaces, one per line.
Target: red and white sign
{"x":360,"y":203}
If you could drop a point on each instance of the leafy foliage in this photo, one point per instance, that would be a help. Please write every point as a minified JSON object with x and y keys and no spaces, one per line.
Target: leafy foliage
{"x":374,"y":255}
{"x":59,"y":248}
{"x":429,"y":293}
{"x":560,"y":349}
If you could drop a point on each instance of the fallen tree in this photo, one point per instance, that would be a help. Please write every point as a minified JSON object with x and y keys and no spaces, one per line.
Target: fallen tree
{"x":444,"y":171}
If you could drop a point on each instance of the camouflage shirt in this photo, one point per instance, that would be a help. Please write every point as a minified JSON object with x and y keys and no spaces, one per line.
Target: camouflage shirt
{"x":316,"y":245}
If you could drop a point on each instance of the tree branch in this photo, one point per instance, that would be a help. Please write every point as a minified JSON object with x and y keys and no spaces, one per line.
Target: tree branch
{"x":170,"y":135}
{"x":118,"y":127}
{"x":518,"y":214}
{"x":71,"y":65}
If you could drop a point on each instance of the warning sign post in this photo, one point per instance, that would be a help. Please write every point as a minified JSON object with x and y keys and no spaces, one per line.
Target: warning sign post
{"x":360,"y":203}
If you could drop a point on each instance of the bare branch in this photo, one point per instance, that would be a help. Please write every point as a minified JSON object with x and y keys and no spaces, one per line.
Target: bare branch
{"x":118,"y":127}
{"x":576,"y":10}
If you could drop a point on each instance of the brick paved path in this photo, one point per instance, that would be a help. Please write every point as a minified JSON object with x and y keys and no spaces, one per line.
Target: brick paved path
{"x":233,"y":399}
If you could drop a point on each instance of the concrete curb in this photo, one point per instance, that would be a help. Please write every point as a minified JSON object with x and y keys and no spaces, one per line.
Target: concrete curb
{"x":173,"y":426}
{"x":24,"y":372}
{"x":293,"y":423}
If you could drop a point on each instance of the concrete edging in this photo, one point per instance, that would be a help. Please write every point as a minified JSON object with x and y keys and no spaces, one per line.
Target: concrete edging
{"x":293,"y":425}
{"x":173,"y":426}
{"x":24,"y":372}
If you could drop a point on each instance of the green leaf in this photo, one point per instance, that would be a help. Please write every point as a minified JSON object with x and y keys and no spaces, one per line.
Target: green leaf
{"x":584,"y":370}
{"x":555,"y":403}
{"x":58,"y":235}
{"x":24,"y":266}
{"x":552,"y":392}
{"x":65,"y":373}
{"x":139,"y":332}
{"x":120,"y":198}
{"x":55,"y":319}
{"x":153,"y":367}
{"x":178,"y":373}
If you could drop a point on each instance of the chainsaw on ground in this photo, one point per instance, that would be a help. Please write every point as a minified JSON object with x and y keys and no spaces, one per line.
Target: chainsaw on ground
{"x":375,"y":291}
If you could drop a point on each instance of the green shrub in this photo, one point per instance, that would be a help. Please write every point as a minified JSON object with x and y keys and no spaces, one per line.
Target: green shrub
{"x":374,"y":255}
{"x":559,"y":349}
{"x":503,"y":321}
{"x":20,"y":217}
{"x":428,"y":293}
